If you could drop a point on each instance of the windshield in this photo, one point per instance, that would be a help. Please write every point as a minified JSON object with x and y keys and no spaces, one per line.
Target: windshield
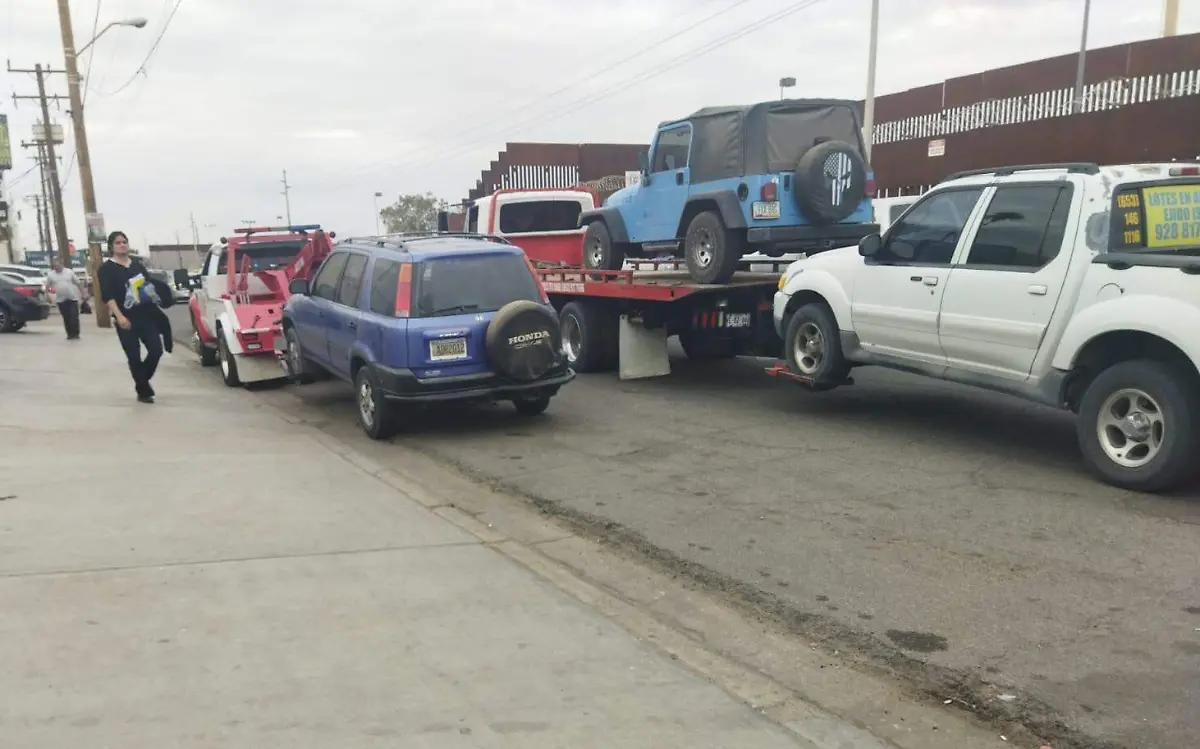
{"x":263,"y":255}
{"x":454,"y":285}
{"x":1156,"y":218}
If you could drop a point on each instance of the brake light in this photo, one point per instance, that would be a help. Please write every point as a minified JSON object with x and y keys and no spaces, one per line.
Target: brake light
{"x":404,"y":290}
{"x":1185,"y":171}
{"x":769,"y":191}
{"x":870,"y":189}
{"x":537,"y":280}
{"x":29,"y":291}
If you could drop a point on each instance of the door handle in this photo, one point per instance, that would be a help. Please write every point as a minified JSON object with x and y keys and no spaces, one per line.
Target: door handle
{"x":1037,"y":289}
{"x":679,"y":178}
{"x":352,"y":325}
{"x":929,"y":280}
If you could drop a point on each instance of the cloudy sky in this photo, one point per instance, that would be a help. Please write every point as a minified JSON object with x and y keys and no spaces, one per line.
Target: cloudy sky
{"x":399,"y":96}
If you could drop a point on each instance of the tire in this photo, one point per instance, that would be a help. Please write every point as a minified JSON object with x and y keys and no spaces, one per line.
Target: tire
{"x":712,"y":350}
{"x":710,"y":250}
{"x":375,"y":415}
{"x":298,"y":368}
{"x":589,"y":334}
{"x":524,"y":341}
{"x":819,"y":171}
{"x":18,"y":326}
{"x":599,"y":251}
{"x":229,"y":372}
{"x":1166,"y":462}
{"x":813,"y":346}
{"x":208,"y":356}
{"x":7,"y":321}
{"x":532,"y":406}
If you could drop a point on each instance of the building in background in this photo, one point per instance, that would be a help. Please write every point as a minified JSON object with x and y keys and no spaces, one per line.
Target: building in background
{"x":176,"y":256}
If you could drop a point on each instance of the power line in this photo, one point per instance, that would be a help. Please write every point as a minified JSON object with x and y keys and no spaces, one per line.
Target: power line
{"x":540,"y":99}
{"x":141,"y":68}
{"x":590,"y":99}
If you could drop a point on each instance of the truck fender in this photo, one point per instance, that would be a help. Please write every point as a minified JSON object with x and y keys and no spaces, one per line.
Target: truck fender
{"x":611,"y":217}
{"x":226,"y":323}
{"x":726,"y":202}
{"x":206,"y":335}
{"x":360,"y":352}
{"x":1166,"y":318}
{"x":814,"y":284}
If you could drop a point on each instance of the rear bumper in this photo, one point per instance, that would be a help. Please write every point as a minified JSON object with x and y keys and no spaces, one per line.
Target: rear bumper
{"x":802,"y":237}
{"x":403,"y":385}
{"x":31,"y":311}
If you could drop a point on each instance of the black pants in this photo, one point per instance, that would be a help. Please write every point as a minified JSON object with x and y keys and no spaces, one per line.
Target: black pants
{"x":142,"y":332}
{"x":70,"y":316}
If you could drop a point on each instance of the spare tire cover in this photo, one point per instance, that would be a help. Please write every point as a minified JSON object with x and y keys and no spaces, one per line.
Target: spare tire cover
{"x":524,"y":341}
{"x":831,"y":182}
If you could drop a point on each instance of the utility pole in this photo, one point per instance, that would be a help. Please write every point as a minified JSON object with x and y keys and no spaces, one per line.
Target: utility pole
{"x":1077,"y":94}
{"x":45,"y":243}
{"x":287,"y":201}
{"x":60,"y":221}
{"x":36,"y":201}
{"x":1171,"y":18}
{"x":869,"y":101}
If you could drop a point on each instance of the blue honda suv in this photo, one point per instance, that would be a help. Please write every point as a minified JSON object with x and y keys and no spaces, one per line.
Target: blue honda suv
{"x":426,"y":317}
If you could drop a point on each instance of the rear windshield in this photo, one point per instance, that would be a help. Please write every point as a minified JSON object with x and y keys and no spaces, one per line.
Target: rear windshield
{"x":454,"y":285}
{"x":1156,"y":218}
{"x":27,"y":272}
{"x":539,"y":215}
{"x":263,"y":255}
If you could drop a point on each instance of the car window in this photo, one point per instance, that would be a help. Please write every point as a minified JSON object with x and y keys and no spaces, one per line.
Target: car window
{"x":454,"y":285}
{"x":351,"y":283}
{"x":326,"y":283}
{"x":539,"y":215}
{"x":1023,"y":227}
{"x":671,"y":149}
{"x":472,"y":224}
{"x":928,"y":234}
{"x":384,"y":278}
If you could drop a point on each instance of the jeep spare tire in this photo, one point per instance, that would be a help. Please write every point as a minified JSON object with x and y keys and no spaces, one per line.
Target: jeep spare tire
{"x":524,"y":341}
{"x":831,"y":182}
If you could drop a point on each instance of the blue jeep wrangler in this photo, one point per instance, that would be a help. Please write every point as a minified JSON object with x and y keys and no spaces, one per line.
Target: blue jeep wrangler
{"x":776,"y":177}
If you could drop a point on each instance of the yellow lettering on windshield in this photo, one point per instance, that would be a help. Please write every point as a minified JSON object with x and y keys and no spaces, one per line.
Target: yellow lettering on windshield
{"x":1172,"y":216}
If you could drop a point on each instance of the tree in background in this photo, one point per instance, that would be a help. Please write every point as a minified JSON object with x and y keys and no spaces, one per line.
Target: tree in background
{"x":412,"y":213}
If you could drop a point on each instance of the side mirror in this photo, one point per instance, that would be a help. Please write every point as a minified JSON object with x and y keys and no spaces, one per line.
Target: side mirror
{"x":298,"y":286}
{"x":644,"y":162}
{"x":870,"y":245}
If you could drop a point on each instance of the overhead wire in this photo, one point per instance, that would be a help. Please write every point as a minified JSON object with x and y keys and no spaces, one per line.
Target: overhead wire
{"x":590,"y":99}
{"x":141,"y":68}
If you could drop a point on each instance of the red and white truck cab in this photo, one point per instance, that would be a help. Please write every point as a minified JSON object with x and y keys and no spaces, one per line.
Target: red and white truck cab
{"x":543,"y":222}
{"x":237,"y":311}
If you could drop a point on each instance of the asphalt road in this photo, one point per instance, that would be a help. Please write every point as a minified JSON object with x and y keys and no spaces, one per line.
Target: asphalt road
{"x":946,"y":535}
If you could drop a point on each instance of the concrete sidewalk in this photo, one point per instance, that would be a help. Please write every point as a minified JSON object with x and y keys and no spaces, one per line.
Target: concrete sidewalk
{"x":198,"y":573}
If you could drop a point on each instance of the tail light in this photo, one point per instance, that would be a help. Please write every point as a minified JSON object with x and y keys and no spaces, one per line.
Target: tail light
{"x":537,"y":280}
{"x":870,"y":189}
{"x":769,"y":191}
{"x":1184,"y":171}
{"x":29,"y":291}
{"x":404,"y":291}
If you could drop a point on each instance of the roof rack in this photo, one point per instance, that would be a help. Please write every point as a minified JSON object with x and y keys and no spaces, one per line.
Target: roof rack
{"x":1072,"y":167}
{"x":400,"y":238}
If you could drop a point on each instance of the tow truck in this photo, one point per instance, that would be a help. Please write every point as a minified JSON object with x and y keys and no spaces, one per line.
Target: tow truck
{"x":236,"y":312}
{"x":622,"y":319}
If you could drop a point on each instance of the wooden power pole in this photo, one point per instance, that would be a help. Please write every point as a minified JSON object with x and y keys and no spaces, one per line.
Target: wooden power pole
{"x":51,"y":161}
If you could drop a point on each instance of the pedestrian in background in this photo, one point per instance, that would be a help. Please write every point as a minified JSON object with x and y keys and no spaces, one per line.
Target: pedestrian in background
{"x":130,"y":297}
{"x":67,"y":295}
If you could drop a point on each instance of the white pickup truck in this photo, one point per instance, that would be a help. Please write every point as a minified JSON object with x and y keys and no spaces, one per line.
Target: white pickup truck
{"x":1072,"y":285}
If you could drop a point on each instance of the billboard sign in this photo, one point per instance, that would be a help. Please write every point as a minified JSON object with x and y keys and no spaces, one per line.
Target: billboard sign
{"x":5,"y":147}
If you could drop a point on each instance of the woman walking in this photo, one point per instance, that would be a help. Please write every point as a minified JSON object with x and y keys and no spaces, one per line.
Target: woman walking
{"x":126,"y":290}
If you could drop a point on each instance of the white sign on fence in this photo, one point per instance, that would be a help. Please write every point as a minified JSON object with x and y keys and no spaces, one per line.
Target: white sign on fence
{"x":937,"y":148}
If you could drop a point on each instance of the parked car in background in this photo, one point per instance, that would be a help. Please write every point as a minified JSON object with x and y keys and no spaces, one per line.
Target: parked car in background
{"x":20,"y":303}
{"x":25,"y":274}
{"x":427,"y":318}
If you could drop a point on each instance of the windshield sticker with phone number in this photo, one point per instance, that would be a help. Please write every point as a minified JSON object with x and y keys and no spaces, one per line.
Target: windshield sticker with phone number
{"x":1172,"y":215}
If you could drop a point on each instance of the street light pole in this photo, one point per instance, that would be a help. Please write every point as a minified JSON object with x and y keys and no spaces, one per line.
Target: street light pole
{"x":869,"y":100}
{"x":378,"y":230}
{"x":82,"y":155}
{"x":1077,"y":94}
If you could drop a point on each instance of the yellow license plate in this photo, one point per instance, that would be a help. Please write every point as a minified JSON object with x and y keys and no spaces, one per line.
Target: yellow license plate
{"x":764,"y":209}
{"x":1172,"y":215}
{"x":449,"y":348}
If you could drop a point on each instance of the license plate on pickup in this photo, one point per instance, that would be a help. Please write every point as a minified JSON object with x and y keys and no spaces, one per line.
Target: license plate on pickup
{"x":764,"y":209}
{"x":448,"y":348}
{"x":737,"y":320}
